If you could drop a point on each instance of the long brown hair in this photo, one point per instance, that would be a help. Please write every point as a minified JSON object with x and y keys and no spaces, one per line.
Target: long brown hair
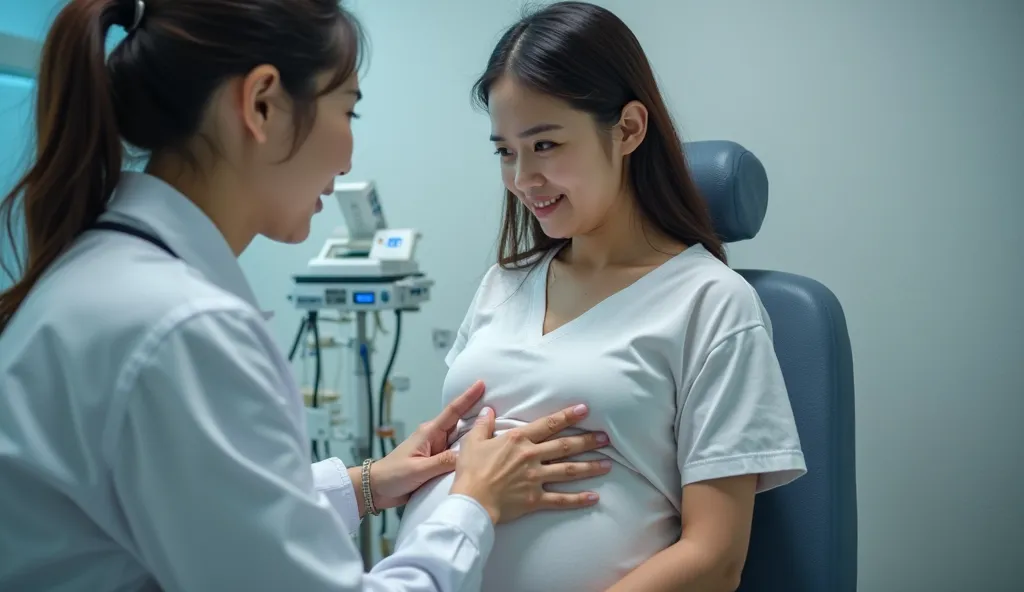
{"x":588,"y":57}
{"x":151,"y":94}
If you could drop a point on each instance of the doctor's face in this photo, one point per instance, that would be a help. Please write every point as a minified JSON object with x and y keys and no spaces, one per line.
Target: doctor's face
{"x":564,"y":169}
{"x":290,"y":189}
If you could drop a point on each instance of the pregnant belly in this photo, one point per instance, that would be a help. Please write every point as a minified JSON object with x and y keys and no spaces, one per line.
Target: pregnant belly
{"x":572,"y":550}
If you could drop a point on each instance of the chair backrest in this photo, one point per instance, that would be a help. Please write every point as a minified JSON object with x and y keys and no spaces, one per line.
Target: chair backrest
{"x":804,"y":535}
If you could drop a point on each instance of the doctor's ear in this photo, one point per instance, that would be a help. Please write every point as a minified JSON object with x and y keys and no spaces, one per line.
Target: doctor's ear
{"x":264,"y":102}
{"x":632,"y":127}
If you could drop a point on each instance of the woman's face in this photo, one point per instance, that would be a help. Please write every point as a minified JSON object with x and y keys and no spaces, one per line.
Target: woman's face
{"x":287,"y":188}
{"x":565,"y":169}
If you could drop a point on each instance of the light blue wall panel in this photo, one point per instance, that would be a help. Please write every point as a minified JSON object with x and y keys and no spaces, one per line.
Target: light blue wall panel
{"x":16,"y":144}
{"x":21,"y":22}
{"x":28,"y":18}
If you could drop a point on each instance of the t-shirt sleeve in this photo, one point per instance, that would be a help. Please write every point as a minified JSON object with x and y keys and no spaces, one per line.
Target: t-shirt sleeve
{"x":736,"y":419}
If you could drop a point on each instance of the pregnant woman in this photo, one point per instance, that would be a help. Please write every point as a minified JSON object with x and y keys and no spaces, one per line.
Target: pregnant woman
{"x":612,"y":288}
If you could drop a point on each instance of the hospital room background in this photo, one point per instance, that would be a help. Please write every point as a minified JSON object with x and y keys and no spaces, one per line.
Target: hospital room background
{"x":892,"y":135}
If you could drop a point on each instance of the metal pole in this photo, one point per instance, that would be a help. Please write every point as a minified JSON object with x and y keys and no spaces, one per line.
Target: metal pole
{"x":363,"y":440}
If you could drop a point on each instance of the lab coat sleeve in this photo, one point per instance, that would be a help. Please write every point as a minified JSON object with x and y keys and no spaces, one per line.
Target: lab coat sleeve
{"x":211,"y":469}
{"x":330,"y":477}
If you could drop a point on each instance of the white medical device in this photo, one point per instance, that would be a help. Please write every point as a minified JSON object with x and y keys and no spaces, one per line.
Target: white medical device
{"x":370,"y":269}
{"x":360,"y":207}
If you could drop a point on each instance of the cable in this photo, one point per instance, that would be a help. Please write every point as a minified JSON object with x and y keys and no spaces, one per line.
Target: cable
{"x":387,"y":376}
{"x":298,"y":340}
{"x":314,"y":326}
{"x":383,"y":397}
{"x":316,"y":349}
{"x":364,"y":354}
{"x":305,"y":324}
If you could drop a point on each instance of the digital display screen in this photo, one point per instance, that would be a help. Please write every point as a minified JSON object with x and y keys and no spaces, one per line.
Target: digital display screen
{"x":364,"y":297}
{"x":394,"y":242}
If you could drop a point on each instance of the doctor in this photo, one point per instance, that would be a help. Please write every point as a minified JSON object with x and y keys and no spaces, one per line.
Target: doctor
{"x":151,"y":434}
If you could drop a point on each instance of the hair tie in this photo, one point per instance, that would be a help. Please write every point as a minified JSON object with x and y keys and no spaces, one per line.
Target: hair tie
{"x":140,"y":10}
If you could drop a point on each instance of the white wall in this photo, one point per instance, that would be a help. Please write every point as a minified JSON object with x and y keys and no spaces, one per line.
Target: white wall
{"x":891,"y":132}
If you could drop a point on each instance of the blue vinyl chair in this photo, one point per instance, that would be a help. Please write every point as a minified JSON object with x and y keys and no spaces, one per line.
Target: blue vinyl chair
{"x":804,"y":535}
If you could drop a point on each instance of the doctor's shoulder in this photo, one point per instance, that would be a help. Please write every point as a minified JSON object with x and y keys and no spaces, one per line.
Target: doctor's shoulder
{"x":118,"y":298}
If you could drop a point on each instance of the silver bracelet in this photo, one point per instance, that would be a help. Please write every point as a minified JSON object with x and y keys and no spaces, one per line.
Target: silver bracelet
{"x":367,"y":494}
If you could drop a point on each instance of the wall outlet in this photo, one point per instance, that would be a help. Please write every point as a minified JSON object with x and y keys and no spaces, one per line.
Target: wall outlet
{"x":443,"y":339}
{"x":400,"y":383}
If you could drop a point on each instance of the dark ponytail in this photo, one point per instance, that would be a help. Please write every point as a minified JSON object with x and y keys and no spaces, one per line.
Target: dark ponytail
{"x":151,"y":94}
{"x":78,"y":152}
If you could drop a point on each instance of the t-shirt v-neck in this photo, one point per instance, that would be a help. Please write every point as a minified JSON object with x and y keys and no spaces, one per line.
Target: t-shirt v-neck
{"x":628,"y":297}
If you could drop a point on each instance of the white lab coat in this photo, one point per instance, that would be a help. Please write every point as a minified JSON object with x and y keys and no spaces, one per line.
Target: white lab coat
{"x":152,"y":435}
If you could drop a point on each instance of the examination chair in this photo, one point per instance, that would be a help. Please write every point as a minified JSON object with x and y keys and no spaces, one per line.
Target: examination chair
{"x":804,"y":535}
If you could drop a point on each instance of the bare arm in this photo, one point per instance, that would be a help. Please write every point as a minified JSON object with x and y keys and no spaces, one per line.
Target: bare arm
{"x":710,"y":554}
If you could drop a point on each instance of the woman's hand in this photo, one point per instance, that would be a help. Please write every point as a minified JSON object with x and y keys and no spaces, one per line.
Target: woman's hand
{"x":507,"y":474}
{"x":422,"y":456}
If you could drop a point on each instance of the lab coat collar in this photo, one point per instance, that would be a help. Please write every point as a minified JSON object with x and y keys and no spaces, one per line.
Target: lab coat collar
{"x":149,"y":203}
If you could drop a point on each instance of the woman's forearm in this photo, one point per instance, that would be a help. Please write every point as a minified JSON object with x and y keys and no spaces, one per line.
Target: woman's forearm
{"x":683,"y":567}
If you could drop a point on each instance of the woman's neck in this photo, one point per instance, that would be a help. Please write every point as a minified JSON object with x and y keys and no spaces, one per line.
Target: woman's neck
{"x":212,"y":192}
{"x":626,"y":239}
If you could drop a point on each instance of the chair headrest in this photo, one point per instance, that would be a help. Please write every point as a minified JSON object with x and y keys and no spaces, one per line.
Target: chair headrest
{"x":735,"y":185}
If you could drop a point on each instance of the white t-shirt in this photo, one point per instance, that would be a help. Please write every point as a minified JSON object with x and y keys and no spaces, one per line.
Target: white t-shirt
{"x":678,"y":368}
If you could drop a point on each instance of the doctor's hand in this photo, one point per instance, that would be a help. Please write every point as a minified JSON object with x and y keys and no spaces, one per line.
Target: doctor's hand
{"x":507,"y":474}
{"x":422,"y":456}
